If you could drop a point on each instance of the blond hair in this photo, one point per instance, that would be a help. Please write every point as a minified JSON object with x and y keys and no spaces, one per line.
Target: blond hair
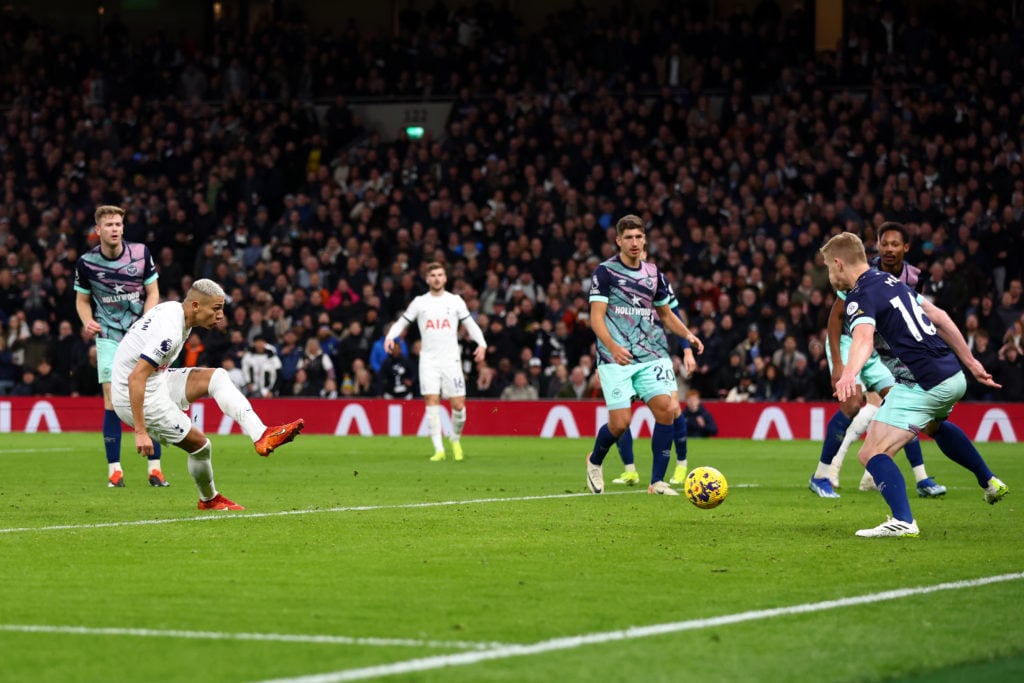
{"x":206,"y":288}
{"x":847,"y":247}
{"x":107,"y":210}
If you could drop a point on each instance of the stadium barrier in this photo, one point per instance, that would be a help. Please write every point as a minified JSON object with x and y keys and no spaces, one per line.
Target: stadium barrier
{"x":378,"y":417}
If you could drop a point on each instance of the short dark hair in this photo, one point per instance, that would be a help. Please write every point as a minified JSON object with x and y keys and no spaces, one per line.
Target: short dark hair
{"x":893,"y":226}
{"x":630,"y":222}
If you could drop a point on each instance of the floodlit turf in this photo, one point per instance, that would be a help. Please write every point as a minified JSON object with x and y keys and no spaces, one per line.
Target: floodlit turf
{"x":356,"y":553}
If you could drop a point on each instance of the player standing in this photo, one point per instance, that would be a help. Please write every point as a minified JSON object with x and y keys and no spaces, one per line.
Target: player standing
{"x":438,"y":313}
{"x":877,"y":377}
{"x":633,"y":359}
{"x":115,"y":282}
{"x":928,"y":342}
{"x":625,"y":442}
{"x":893,"y":245}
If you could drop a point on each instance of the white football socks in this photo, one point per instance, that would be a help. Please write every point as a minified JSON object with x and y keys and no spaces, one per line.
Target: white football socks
{"x":458,"y":422}
{"x":235,"y":405}
{"x":200,"y":466}
{"x":857,"y":427}
{"x":434,"y":427}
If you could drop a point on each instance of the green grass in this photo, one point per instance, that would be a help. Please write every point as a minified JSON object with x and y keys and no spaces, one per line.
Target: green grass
{"x":453,"y":558}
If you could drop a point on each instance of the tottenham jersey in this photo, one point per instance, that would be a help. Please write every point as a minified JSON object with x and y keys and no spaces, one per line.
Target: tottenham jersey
{"x":895,"y":310}
{"x":117,"y":286}
{"x":632,"y":294}
{"x":157,"y":338}
{"x":438,"y":318}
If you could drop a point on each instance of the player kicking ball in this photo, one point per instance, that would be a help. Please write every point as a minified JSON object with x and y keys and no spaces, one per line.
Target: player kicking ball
{"x":152,"y":398}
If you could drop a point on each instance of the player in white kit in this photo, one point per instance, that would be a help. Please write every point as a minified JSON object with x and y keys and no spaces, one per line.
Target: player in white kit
{"x":439,"y":314}
{"x":152,"y":397}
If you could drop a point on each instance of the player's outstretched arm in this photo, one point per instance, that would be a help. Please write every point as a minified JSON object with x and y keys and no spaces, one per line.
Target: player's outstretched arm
{"x":950,"y":334}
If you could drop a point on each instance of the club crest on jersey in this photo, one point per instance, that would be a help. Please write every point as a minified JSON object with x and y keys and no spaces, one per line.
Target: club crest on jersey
{"x":439,"y":324}
{"x":648,"y":283}
{"x":132,"y":269}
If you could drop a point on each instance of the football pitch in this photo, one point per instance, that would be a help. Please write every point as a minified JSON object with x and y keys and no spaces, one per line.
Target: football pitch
{"x":357,"y":559}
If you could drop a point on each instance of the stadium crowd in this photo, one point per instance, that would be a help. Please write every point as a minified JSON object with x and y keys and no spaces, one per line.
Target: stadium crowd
{"x":741,"y":149}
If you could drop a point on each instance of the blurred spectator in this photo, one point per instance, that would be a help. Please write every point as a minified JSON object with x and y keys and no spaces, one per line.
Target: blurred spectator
{"x":317,"y":366}
{"x":193,"y":350}
{"x":699,"y":421}
{"x":576,"y":387}
{"x":362,"y":380}
{"x":10,"y":372}
{"x":261,"y":368}
{"x":301,"y":386}
{"x":989,"y":358}
{"x":378,"y":355}
{"x":535,"y":376}
{"x":729,"y":376}
{"x":85,"y":378}
{"x":47,"y":382}
{"x":25,"y":385}
{"x":594,"y":390}
{"x":37,"y":346}
{"x":1009,"y":371}
{"x":770,"y":385}
{"x":744,"y":390}
{"x":397,"y":376}
{"x":70,"y":350}
{"x":801,"y":382}
{"x":487,"y":383}
{"x":330,"y":388}
{"x":785,"y":359}
{"x":236,"y":375}
{"x":520,"y":389}
{"x":352,"y":346}
{"x":556,"y":381}
{"x":290,"y":354}
{"x":751,"y":346}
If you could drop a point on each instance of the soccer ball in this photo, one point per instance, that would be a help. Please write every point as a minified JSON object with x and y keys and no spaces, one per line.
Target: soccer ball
{"x":706,"y":487}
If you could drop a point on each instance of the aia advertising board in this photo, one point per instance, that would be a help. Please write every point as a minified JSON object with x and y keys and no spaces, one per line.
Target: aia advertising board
{"x":983,"y":422}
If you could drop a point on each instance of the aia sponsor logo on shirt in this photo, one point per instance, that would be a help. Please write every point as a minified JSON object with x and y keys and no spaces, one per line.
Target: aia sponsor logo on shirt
{"x":439,"y":324}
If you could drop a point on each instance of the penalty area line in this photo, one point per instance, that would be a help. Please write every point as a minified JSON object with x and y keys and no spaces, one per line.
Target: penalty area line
{"x":633,"y":633}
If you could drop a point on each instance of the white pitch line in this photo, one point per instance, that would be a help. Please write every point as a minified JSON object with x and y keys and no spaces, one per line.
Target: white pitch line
{"x":633,"y":633}
{"x":221,"y":516}
{"x":263,"y":637}
{"x":5,"y":451}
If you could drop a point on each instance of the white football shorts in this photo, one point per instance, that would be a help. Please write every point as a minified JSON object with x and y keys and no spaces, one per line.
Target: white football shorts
{"x":164,"y":407}
{"x":442,"y":380}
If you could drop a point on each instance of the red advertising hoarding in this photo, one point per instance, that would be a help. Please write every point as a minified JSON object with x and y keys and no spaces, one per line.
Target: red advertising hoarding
{"x":983,"y":422}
